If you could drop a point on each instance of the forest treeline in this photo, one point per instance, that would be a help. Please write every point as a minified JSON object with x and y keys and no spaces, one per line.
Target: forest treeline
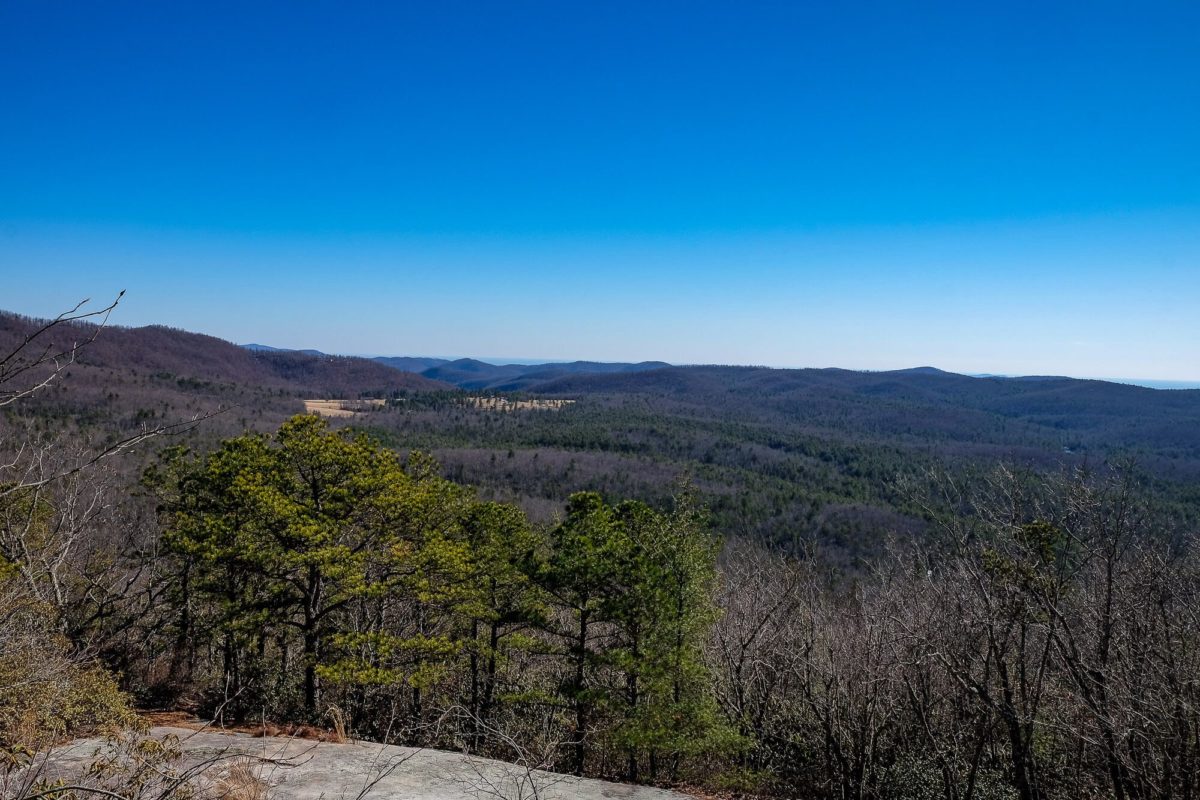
{"x":1040,"y":639}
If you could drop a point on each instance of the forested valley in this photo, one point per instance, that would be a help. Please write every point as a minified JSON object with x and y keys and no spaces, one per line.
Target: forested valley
{"x":729,"y":581}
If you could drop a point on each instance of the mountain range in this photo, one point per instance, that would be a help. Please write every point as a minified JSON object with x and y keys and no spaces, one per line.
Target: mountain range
{"x":473,"y":374}
{"x":778,"y":452}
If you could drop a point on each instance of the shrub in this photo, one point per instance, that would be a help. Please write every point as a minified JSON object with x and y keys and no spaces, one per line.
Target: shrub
{"x":46,"y":692}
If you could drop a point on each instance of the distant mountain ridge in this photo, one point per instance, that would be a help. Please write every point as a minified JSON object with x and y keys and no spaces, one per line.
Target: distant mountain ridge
{"x":474,"y":374}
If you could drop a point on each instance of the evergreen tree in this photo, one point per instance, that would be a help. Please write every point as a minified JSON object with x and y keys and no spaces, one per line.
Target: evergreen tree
{"x":582,"y":573}
{"x":664,"y":613}
{"x":287,"y":532}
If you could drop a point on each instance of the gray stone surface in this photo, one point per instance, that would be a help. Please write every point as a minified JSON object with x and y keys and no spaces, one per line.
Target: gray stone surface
{"x":300,"y":769}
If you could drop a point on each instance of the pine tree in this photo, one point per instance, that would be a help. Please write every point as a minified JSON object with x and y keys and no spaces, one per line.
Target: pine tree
{"x":582,"y":573}
{"x":286,"y":532}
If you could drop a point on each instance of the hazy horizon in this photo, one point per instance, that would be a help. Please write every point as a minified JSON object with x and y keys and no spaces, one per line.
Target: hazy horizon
{"x":1149,"y":383}
{"x":114,"y":320}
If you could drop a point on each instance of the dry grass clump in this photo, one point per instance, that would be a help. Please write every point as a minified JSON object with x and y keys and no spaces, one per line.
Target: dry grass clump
{"x":338,"y":718}
{"x":241,"y":782}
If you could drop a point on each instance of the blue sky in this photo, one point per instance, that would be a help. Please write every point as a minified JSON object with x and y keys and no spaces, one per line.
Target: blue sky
{"x":1004,"y":187}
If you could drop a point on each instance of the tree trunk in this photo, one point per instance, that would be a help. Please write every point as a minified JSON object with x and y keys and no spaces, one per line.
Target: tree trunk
{"x":581,"y":709}
{"x":310,"y":672}
{"x":476,"y":711}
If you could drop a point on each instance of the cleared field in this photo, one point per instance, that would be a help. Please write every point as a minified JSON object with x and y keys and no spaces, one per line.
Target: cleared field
{"x":341,"y":408}
{"x":504,"y":404}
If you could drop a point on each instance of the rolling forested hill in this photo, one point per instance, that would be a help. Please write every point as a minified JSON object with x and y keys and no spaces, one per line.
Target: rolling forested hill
{"x":831,"y":456}
{"x":1076,"y":414}
{"x":127,"y":377}
{"x":469,"y":373}
{"x":826,"y":455}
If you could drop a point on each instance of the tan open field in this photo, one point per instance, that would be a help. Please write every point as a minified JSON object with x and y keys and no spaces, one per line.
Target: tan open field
{"x":342,"y":408}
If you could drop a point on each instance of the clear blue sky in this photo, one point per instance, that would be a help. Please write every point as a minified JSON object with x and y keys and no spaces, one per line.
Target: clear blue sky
{"x":986,"y":187}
